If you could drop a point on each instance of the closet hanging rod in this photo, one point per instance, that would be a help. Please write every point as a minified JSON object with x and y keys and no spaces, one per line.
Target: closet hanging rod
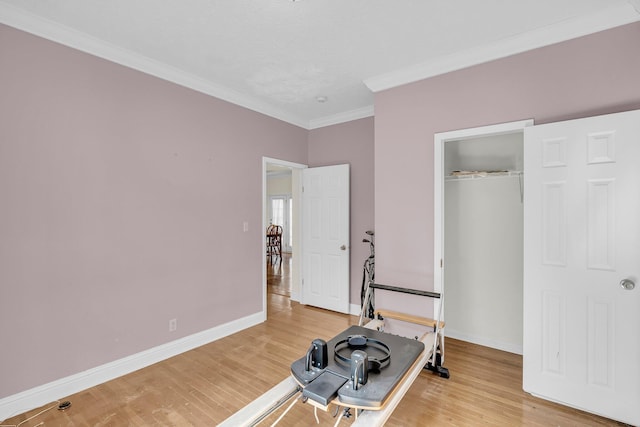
{"x":483,"y":175}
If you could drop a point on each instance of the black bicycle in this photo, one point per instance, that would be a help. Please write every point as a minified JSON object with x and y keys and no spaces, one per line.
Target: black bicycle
{"x":368,"y":274}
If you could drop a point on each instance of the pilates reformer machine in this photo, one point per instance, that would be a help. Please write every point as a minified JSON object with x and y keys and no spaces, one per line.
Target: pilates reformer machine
{"x":364,"y":371}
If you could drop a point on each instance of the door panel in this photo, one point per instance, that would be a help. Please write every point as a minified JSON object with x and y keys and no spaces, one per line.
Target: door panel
{"x":325,"y":237}
{"x":582,"y":210}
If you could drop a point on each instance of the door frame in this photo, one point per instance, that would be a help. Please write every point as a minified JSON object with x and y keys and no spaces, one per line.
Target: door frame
{"x":296,"y":194}
{"x":438,"y":181}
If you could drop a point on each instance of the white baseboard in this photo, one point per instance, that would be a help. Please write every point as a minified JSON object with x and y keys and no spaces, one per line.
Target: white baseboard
{"x":498,"y":345}
{"x":38,"y":396}
{"x":354,"y":309}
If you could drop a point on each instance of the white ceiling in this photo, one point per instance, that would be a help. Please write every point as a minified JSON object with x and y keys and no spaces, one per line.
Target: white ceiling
{"x":278,"y":56}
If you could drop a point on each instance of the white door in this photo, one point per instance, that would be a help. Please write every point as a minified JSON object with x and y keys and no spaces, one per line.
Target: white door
{"x":325,"y":237}
{"x":582,"y":241}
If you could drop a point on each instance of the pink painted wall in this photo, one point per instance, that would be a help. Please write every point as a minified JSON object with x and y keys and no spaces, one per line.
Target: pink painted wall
{"x":122,"y":202}
{"x":351,"y":143}
{"x":592,"y":75}
{"x":123,"y":195}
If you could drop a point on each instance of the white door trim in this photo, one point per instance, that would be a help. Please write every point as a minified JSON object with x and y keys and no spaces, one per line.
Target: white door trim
{"x":438,"y":193}
{"x":296,"y":193}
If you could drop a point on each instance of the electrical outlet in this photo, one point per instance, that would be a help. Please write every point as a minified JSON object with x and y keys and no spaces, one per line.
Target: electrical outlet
{"x":173,"y":325}
{"x":245,"y":226}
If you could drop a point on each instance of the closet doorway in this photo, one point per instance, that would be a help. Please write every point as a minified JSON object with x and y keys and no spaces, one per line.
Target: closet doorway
{"x":479,"y":184}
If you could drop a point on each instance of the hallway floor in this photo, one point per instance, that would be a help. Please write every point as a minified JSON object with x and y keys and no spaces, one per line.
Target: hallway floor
{"x":279,"y":276}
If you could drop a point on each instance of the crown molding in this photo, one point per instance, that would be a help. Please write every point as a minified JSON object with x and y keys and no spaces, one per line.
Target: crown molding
{"x":347,"y":116}
{"x":566,"y":30}
{"x":545,"y":36}
{"x":36,"y":25}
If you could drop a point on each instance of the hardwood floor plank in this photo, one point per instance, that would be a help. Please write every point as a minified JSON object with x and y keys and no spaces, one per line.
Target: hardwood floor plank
{"x":206,"y":385}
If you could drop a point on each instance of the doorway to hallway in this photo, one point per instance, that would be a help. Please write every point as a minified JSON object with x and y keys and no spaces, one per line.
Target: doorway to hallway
{"x":281,"y":206}
{"x":322,"y":242}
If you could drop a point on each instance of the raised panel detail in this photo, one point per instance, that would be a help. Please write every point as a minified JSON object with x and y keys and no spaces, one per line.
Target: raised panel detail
{"x":601,"y":348}
{"x":601,"y":147}
{"x":554,"y":152}
{"x":333,"y":271}
{"x":601,"y":224}
{"x":554,"y":223}
{"x":333,"y":212}
{"x":553,"y":336}
{"x":315,"y":183}
{"x":333,"y":183}
{"x":314,"y":278}
{"x":315,"y":214}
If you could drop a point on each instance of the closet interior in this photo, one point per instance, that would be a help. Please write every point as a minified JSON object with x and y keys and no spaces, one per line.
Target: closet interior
{"x":483,"y":240}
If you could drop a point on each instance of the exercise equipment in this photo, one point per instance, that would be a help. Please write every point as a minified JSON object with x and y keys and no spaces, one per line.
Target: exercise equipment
{"x":363,"y":371}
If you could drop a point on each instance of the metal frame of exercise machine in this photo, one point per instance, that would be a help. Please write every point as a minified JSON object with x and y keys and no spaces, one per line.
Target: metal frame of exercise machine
{"x":291,"y":390}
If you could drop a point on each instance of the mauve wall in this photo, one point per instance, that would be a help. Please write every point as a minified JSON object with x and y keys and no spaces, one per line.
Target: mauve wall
{"x":351,"y":143}
{"x":123,"y":198}
{"x":592,"y":75}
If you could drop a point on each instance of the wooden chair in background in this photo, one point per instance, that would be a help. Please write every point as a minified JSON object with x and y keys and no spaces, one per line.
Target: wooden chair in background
{"x":274,"y":242}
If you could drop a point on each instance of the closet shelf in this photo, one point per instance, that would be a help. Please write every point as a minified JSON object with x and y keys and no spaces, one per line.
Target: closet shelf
{"x":467,"y":175}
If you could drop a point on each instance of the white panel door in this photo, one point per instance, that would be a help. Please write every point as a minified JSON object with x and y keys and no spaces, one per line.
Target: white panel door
{"x":582,"y":241}
{"x":325,"y":237}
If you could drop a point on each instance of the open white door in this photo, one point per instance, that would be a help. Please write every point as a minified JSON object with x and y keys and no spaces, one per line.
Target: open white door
{"x":581,"y":258}
{"x":325,"y":237}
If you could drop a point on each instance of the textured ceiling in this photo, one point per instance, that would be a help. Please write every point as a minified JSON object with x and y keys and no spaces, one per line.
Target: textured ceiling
{"x":278,"y":56}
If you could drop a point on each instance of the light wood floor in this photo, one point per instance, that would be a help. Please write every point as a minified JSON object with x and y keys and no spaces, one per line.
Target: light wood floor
{"x":204,"y":386}
{"x":279,"y":275}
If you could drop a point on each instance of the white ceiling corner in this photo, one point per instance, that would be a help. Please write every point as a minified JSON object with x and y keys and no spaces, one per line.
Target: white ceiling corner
{"x":68,"y":36}
{"x":562,"y":31}
{"x":277,"y":57}
{"x":343,"y":117}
